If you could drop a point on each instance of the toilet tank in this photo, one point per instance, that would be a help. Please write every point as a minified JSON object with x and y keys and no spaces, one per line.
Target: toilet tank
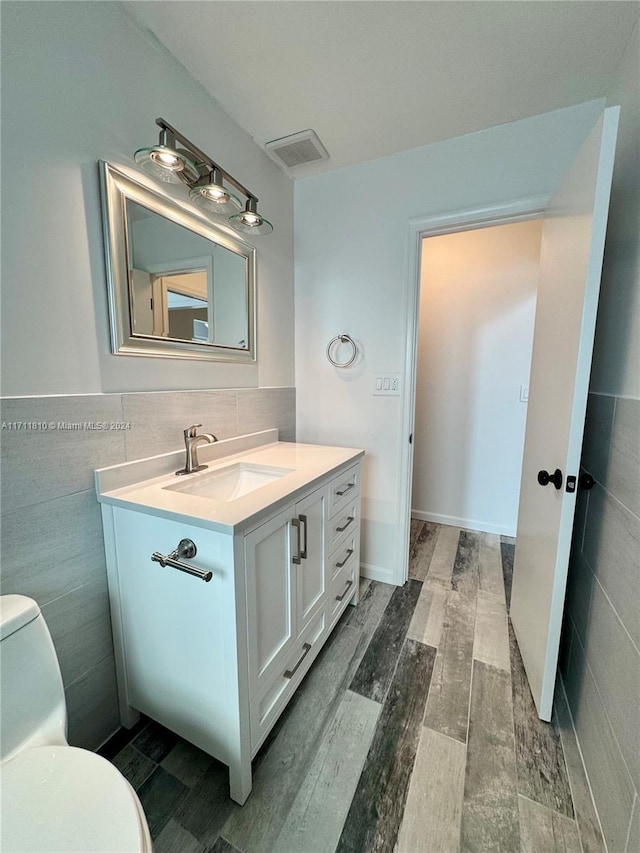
{"x":32,"y":696}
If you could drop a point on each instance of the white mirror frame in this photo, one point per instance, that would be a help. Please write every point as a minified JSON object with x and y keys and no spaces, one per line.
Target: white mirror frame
{"x":118,"y":187}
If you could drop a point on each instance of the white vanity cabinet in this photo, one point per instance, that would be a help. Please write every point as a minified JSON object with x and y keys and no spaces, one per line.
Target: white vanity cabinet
{"x":217,"y":661}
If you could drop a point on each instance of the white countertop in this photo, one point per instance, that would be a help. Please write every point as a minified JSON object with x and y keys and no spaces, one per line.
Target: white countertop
{"x":308,"y":464}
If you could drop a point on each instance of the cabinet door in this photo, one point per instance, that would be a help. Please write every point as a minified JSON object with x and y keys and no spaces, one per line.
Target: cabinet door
{"x":271,"y":596}
{"x":309,"y":536}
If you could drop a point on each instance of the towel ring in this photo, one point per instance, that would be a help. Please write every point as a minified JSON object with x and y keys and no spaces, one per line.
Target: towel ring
{"x":343,"y":339}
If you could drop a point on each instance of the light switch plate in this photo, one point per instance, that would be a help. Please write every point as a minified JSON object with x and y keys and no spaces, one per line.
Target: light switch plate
{"x":386,"y":385}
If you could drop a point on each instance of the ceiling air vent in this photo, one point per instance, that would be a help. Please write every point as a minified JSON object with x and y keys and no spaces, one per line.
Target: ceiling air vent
{"x":297,"y":149}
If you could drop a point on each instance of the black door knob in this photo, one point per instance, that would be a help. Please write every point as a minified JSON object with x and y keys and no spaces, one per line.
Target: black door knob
{"x":586,"y":481}
{"x":544,"y":478}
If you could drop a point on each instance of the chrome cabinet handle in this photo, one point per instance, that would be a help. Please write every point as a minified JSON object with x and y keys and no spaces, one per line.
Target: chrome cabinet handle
{"x":350,"y":519}
{"x":187,"y":549}
{"x":289,"y":673}
{"x":346,"y":557}
{"x":344,"y":491}
{"x":346,"y":590}
{"x":295,"y":522}
{"x":303,"y":520}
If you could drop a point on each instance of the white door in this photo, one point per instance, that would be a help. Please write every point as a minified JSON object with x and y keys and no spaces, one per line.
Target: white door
{"x":141,"y":302}
{"x":570,"y":268}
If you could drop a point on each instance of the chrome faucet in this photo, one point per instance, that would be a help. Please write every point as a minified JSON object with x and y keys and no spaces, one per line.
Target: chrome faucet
{"x":191,"y":442}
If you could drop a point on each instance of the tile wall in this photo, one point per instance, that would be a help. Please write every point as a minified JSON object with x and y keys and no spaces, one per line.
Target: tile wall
{"x":51,"y":544}
{"x":600,"y":658}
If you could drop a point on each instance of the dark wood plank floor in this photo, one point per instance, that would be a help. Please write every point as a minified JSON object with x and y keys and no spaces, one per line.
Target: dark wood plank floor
{"x":414,"y":732}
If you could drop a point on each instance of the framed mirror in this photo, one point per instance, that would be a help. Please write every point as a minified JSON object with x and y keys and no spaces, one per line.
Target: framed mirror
{"x":179,"y":286}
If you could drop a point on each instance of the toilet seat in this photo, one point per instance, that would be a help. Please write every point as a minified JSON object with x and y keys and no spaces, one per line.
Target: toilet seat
{"x":60,"y":798}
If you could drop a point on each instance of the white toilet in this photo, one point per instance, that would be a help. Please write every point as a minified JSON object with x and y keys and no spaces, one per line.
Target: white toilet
{"x":55,"y":797}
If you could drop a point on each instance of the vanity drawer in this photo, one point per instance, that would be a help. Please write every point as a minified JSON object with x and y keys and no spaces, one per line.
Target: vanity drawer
{"x":343,"y":489}
{"x":266,"y":707}
{"x":339,"y":558}
{"x":344,"y":524}
{"x":344,"y":584}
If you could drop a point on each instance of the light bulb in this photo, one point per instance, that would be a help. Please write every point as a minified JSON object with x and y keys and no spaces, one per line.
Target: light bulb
{"x":167,"y":159}
{"x":214,"y":198}
{"x":251,"y":219}
{"x":166,"y":164}
{"x":213,"y":193}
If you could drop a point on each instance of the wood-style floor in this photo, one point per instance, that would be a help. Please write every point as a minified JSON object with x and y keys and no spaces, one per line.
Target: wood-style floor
{"x":414,"y":732}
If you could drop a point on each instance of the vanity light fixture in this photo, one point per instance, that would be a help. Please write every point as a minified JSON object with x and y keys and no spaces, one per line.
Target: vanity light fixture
{"x":250,"y":220}
{"x":205,"y":179}
{"x":166,"y":162}
{"x":210,"y":194}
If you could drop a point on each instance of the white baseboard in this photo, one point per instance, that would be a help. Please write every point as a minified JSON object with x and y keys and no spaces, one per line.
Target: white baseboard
{"x":377,"y":573}
{"x":467,"y":523}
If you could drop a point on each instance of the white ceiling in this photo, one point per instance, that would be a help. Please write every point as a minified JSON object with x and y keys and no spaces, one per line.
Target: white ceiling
{"x":374,"y":77}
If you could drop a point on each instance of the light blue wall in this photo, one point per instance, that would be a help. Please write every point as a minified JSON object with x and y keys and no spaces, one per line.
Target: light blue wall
{"x":82,"y":82}
{"x":352,"y":267}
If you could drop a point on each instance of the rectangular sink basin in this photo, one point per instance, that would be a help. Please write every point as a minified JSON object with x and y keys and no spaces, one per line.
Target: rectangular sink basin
{"x":229,"y":483}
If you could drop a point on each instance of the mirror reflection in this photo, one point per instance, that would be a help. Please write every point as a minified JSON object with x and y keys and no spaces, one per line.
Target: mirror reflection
{"x":183,"y":286}
{"x":179,"y":287}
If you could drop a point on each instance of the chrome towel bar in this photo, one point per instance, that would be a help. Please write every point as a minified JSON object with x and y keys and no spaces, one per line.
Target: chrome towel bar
{"x":187,"y":549}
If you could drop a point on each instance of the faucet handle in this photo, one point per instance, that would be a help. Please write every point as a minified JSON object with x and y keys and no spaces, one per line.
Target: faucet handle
{"x":191,"y":431}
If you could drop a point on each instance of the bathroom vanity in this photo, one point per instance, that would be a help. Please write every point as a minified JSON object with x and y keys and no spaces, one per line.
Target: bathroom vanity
{"x":225,"y":584}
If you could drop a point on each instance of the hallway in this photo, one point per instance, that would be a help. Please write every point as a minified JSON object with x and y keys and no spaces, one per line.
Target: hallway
{"x":414,"y":731}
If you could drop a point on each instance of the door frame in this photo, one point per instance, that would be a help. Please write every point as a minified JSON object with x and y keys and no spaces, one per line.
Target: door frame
{"x":447,"y":222}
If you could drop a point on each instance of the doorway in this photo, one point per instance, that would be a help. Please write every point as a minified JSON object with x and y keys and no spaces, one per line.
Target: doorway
{"x":571,"y":255}
{"x":451,"y":223}
{"x":475,"y":335}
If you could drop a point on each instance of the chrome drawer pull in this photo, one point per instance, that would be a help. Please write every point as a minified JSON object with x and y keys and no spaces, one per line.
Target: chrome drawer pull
{"x":303,"y":520}
{"x":344,"y":491}
{"x":295,"y":522}
{"x":346,"y":590}
{"x":350,"y":518}
{"x":186,"y":548}
{"x":289,"y":673}
{"x":346,"y":557}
